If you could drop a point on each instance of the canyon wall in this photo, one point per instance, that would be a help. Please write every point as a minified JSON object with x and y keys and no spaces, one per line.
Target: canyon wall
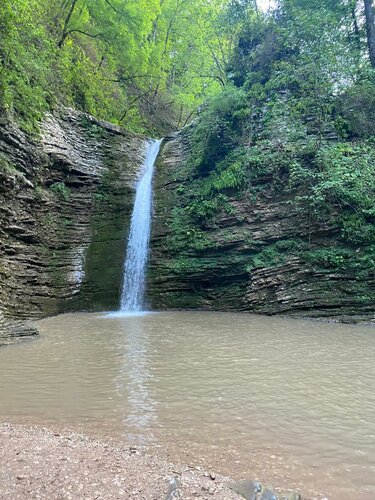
{"x":65,"y":204}
{"x":66,"y":198}
{"x":248,"y":256}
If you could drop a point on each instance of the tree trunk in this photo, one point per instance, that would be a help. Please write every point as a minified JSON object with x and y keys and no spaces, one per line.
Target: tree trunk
{"x":370,"y":29}
{"x":356,"y":31}
{"x":66,"y":23}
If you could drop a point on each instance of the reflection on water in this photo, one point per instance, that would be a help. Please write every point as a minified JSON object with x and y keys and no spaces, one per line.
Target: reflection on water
{"x":132,"y":380}
{"x":234,"y":380}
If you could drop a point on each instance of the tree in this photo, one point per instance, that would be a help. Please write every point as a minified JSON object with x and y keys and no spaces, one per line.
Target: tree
{"x":370,"y":29}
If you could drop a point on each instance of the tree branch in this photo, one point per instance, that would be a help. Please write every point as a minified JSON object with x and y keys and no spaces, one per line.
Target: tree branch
{"x":66,"y":23}
{"x":188,"y":118}
{"x":132,"y":102}
{"x":122,"y":79}
{"x":97,"y":35}
{"x":113,"y":8}
{"x":370,"y":29}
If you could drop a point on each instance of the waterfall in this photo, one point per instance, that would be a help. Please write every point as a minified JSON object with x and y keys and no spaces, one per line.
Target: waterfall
{"x":133,"y":290}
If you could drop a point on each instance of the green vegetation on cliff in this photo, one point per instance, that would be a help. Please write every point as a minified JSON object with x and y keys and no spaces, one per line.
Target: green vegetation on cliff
{"x":294,"y":126}
{"x":298,"y":116}
{"x":149,"y":64}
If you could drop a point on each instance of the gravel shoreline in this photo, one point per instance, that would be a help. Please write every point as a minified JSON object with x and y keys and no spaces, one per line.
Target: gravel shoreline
{"x":42,"y":463}
{"x":46,"y":463}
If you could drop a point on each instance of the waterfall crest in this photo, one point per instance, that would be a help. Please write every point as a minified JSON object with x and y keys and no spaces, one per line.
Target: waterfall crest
{"x":132,"y":297}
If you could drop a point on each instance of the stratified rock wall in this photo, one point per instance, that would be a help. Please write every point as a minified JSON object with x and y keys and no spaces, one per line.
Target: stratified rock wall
{"x":246,"y":262}
{"x":65,"y":204}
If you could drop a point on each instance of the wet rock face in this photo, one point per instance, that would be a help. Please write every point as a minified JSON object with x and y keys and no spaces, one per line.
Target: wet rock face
{"x":11,"y":330}
{"x":247,"y":260}
{"x":65,"y":204}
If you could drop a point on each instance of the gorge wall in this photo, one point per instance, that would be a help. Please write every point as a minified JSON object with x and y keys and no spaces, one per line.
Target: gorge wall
{"x":65,"y":205}
{"x":248,"y":256}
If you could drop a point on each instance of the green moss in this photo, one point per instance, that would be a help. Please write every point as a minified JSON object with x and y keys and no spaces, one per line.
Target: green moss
{"x":60,"y":190}
{"x":9,"y":169}
{"x":5,"y":166}
{"x":41,"y":193}
{"x":93,"y":130}
{"x":360,"y":261}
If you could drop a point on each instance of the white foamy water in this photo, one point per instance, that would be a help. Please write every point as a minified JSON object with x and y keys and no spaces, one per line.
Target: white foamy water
{"x":133,"y":290}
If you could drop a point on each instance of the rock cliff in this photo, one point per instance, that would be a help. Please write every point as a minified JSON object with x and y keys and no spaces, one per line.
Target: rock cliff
{"x":248,"y":257}
{"x":65,"y":203}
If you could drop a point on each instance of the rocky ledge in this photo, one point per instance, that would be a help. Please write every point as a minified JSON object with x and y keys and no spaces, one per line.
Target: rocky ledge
{"x":11,"y":330}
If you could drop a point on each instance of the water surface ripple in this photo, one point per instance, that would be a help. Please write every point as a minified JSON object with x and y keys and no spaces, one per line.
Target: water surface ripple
{"x":233,"y":381}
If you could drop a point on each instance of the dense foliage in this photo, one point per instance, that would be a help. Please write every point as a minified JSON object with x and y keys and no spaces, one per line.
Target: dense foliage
{"x":296,"y":119}
{"x":152,"y":63}
{"x":140,"y":63}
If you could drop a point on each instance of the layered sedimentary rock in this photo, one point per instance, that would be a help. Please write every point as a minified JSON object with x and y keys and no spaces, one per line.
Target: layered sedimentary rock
{"x":65,"y":203}
{"x":249,"y":258}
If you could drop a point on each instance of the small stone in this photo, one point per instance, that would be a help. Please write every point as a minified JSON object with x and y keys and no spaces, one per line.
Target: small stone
{"x":247,"y":489}
{"x":21,"y":478}
{"x":213,"y":476}
{"x":268,"y":494}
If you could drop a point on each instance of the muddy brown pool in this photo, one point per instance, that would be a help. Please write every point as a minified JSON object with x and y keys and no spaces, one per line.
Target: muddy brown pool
{"x":290,"y":399}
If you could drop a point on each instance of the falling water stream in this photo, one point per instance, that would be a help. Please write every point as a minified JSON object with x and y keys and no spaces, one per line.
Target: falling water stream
{"x":133,"y":290}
